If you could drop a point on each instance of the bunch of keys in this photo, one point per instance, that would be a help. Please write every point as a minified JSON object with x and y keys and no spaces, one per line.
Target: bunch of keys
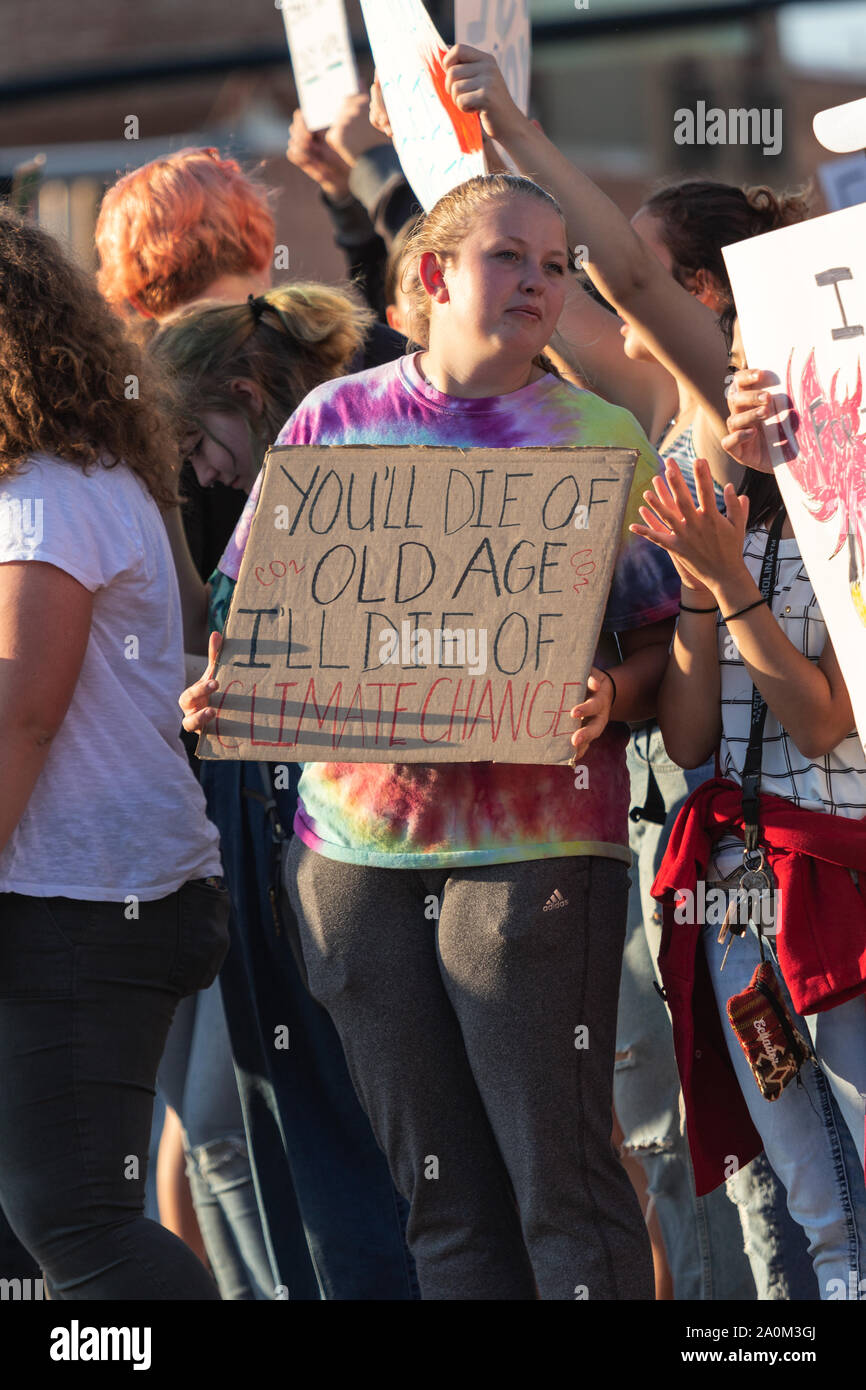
{"x":755,"y":876}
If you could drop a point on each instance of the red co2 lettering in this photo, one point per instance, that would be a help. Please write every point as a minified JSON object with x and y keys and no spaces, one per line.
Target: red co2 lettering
{"x":582,"y":567}
{"x":278,"y":570}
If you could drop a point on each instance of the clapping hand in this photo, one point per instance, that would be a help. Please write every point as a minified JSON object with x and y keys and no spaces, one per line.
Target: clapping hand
{"x":705,"y":546}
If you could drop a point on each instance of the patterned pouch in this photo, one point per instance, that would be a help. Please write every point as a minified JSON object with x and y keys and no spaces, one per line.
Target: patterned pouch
{"x":775,"y":1049}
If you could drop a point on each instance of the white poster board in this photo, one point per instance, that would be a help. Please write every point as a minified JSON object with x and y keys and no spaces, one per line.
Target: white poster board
{"x":843,"y":181}
{"x":801,"y":299}
{"x":323,"y":63}
{"x":500,"y":27}
{"x":438,"y":145}
{"x":842,"y":128}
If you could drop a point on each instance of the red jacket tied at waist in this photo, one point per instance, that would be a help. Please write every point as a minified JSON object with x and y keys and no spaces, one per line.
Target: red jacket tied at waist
{"x":820,"y":943}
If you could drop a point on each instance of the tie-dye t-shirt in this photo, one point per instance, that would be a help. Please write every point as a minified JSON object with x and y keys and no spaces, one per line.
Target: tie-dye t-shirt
{"x":414,"y":815}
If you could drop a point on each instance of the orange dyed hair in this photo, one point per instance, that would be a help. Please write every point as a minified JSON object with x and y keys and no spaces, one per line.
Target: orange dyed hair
{"x":166,"y":231}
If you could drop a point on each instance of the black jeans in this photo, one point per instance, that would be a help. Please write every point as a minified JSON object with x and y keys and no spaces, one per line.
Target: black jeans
{"x":87,"y":993}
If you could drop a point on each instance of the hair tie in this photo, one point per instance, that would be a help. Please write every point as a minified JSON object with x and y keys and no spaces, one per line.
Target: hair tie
{"x":258,"y":304}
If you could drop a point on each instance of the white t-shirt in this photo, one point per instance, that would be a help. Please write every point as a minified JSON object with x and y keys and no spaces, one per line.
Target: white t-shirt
{"x":116,"y":810}
{"x":834,"y":783}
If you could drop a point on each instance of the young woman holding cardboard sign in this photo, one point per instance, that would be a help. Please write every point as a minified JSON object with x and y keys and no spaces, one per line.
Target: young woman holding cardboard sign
{"x":463,"y":923}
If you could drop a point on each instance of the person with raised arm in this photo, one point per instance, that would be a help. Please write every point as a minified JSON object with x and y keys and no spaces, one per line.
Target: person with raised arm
{"x":666,"y":360}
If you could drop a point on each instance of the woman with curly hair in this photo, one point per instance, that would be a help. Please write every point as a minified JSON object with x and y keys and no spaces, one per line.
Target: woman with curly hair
{"x":110,"y":898}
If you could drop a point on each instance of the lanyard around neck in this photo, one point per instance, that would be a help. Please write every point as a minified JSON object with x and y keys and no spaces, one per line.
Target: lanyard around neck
{"x":752,"y":765}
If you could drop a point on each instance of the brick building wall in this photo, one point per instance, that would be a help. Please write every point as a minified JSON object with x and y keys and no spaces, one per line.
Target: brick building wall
{"x":609,"y":104}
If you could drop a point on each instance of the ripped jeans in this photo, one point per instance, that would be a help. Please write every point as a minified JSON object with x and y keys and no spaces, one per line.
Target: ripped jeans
{"x":738,"y":1242}
{"x":813,"y":1133}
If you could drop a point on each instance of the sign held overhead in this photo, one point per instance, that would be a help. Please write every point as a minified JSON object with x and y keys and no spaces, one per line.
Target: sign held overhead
{"x":323,"y":63}
{"x":439,"y":146}
{"x":801,"y":298}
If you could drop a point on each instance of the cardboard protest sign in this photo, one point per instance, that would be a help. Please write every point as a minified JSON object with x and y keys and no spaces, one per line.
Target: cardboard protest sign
{"x":419,"y":604}
{"x":323,"y":63}
{"x":801,"y":299}
{"x":438,"y":145}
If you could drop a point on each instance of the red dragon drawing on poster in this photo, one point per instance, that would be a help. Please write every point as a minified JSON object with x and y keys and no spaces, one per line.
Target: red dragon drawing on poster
{"x":830,"y":463}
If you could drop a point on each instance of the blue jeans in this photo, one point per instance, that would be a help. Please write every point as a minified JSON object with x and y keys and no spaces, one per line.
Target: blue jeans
{"x":704,"y":1236}
{"x":197,"y":1078}
{"x":334,"y":1222}
{"x":813,"y":1134}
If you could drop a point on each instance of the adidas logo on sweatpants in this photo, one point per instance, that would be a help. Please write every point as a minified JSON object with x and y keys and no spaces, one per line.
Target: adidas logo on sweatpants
{"x":555,"y":900}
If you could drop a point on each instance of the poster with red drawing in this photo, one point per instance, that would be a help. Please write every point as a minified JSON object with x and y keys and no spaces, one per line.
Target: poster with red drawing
{"x":801,"y":299}
{"x":412,"y":604}
{"x":323,"y":62}
{"x":439,"y":146}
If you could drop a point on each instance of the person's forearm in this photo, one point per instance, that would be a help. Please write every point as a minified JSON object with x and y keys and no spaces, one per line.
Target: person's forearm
{"x":681,"y":332}
{"x":795,"y":689}
{"x":377,"y":180}
{"x":350,"y":220}
{"x":593,"y":220}
{"x":707,"y":442}
{"x":193,"y":590}
{"x":23,"y":752}
{"x":589,"y":338}
{"x":637,"y":682}
{"x":689,"y":712}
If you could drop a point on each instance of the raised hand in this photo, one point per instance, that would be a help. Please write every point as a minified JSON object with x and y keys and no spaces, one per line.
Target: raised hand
{"x":474,"y":82}
{"x":195,"y":700}
{"x":352,"y":134}
{"x":705,"y":546}
{"x":310,"y":152}
{"x":750,"y":403}
{"x":378,"y":115}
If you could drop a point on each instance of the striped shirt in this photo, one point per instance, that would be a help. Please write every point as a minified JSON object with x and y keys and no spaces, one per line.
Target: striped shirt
{"x":834,"y":783}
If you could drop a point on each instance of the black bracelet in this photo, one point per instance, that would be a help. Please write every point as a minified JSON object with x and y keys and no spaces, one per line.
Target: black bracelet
{"x":613,"y":683}
{"x":684,"y":608}
{"x":741,"y":611}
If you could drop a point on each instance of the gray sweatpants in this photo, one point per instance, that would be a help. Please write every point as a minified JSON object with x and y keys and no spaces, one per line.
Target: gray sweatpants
{"x":477,"y":1009}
